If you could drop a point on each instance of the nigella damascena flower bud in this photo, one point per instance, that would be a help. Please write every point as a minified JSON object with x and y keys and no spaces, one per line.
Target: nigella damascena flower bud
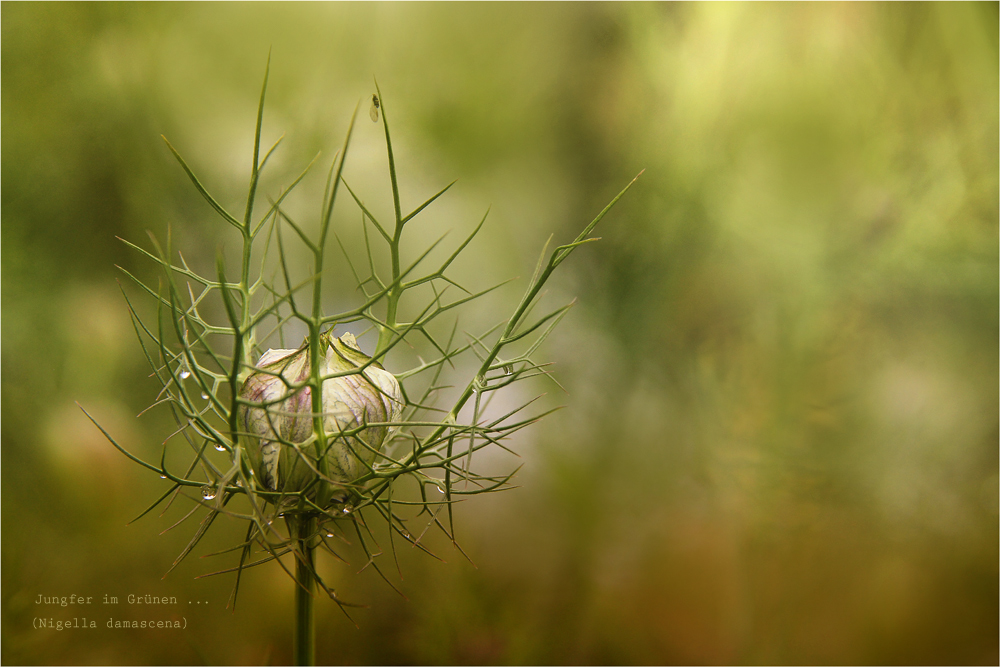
{"x":277,"y":422}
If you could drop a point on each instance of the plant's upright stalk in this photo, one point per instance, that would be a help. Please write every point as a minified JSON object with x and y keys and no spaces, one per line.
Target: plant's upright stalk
{"x":302,"y":527}
{"x":392,"y":298}
{"x":317,"y":341}
{"x":246,"y":331}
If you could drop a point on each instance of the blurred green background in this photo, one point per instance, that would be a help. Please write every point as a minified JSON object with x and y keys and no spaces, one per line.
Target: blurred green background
{"x":781,"y":439}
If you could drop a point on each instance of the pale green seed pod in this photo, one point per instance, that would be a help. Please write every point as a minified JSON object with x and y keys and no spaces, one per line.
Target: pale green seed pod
{"x":277,"y":428}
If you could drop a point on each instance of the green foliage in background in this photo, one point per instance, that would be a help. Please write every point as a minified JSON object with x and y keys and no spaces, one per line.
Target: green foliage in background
{"x":782,"y":446}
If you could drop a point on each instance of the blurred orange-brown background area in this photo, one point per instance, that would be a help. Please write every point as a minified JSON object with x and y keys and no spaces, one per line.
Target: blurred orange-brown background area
{"x":780,"y":436}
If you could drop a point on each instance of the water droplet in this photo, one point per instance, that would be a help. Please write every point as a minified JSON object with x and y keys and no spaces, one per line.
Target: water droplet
{"x":329,"y":534}
{"x":204,"y":395}
{"x":407,"y":536}
{"x":439,"y":489}
{"x":185,"y":375}
{"x":220,"y":448}
{"x":207,"y":492}
{"x":163,"y":476}
{"x":346,"y":510}
{"x":508,"y":369}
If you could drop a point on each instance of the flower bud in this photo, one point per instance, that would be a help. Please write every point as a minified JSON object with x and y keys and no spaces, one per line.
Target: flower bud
{"x":278,"y":421}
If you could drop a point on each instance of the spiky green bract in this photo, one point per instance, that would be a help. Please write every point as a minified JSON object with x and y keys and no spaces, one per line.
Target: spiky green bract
{"x":324,"y":435}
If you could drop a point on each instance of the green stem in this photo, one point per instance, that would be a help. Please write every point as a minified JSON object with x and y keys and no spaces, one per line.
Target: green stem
{"x":303,"y":527}
{"x":392,"y":301}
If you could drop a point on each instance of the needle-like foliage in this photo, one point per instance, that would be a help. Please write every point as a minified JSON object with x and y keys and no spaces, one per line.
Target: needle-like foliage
{"x":201,"y":360}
